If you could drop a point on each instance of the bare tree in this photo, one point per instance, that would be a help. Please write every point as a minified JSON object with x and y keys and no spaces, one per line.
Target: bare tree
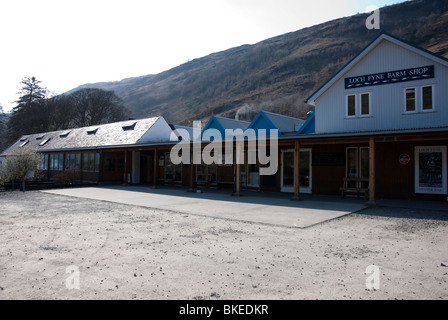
{"x":96,"y":106}
{"x":21,"y":165}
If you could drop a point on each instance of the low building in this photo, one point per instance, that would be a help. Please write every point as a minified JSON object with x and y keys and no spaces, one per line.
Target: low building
{"x":379,"y":129}
{"x":102,"y":153}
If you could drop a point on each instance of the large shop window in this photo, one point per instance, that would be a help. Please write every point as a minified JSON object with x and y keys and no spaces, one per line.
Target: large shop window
{"x":205,"y":174}
{"x":43,"y":164}
{"x":56,"y":162}
{"x":431,"y":170}
{"x":91,"y":162}
{"x":173,"y":172}
{"x":72,"y":161}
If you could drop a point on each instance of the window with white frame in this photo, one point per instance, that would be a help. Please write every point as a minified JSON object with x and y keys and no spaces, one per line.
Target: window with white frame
{"x":427,"y":98}
{"x":411,"y":105}
{"x":359,"y":105}
{"x":365,"y":104}
{"x":419,"y":99}
{"x":351,"y":105}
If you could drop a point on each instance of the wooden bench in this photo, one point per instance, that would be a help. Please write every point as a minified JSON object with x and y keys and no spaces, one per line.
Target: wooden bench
{"x":225,"y":180}
{"x":206,"y":180}
{"x":358,"y":189}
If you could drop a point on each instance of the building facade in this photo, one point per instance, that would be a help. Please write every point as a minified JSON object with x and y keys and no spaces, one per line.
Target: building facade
{"x":379,"y":129}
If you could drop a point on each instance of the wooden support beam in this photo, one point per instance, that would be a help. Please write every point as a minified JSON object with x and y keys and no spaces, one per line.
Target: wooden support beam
{"x":156,"y":167}
{"x":372,"y":199}
{"x":192,"y":180}
{"x":125,"y":176}
{"x":239,"y":146}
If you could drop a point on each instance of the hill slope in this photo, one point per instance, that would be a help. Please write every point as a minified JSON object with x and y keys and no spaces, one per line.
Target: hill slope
{"x":277,"y":74}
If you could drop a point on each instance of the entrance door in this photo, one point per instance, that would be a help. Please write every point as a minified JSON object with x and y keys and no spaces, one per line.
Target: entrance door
{"x":253,"y":170}
{"x":287,"y":175}
{"x":305,"y":171}
{"x":358,"y":166}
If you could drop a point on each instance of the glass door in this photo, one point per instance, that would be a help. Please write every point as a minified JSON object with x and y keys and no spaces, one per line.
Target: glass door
{"x":305,"y":171}
{"x":364,"y":169}
{"x":287,"y":173}
{"x":358,"y":166}
{"x":253,"y":170}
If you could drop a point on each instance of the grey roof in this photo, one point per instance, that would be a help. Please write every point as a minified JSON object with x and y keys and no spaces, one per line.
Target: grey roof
{"x":285,"y":124}
{"x":112,"y":134}
{"x":176,"y":127}
{"x":233,"y":124}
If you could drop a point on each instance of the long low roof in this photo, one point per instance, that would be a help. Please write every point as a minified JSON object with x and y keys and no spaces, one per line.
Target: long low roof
{"x":122,"y":133}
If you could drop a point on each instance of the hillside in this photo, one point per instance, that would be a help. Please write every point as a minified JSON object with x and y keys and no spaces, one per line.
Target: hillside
{"x":277,"y":74}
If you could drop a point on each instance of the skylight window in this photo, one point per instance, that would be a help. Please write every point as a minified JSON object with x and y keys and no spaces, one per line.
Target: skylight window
{"x":24,"y":143}
{"x":44,"y":142}
{"x":92,"y":131}
{"x":64,"y":134}
{"x":40,"y":137}
{"x":130,"y":127}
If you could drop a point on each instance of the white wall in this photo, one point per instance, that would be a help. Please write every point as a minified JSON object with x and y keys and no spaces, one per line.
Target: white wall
{"x":160,"y":131}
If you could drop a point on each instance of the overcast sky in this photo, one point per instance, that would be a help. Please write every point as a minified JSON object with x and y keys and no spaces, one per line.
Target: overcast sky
{"x":66,"y":43}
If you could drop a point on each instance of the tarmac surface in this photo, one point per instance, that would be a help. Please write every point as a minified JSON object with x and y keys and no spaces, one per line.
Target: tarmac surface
{"x":272,"y":209}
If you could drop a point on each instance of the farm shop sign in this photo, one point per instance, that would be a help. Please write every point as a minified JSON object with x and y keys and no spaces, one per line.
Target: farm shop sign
{"x":390,"y":77}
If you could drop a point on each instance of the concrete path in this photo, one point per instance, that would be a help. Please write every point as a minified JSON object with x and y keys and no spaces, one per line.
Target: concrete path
{"x":253,"y":207}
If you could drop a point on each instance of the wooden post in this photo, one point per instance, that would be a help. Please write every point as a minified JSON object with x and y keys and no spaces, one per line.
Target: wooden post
{"x":125,"y":181}
{"x":238,"y":170}
{"x":372,"y":199}
{"x":296,"y":196}
{"x":192,"y":189}
{"x":156,"y":167}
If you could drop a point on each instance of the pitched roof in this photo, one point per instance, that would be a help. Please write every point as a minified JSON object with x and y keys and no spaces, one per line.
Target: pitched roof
{"x":222,"y":124}
{"x":268,"y":120}
{"x":283,"y":123}
{"x":371,"y":46}
{"x":113,"y":134}
{"x":233,"y":124}
{"x":310,"y":124}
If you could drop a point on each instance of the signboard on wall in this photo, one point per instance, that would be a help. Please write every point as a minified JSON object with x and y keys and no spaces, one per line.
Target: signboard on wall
{"x":431,"y":170}
{"x":389,"y":77}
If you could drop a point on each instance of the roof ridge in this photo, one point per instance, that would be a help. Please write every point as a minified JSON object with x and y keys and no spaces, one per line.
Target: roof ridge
{"x":217,"y":117}
{"x":282,"y":115}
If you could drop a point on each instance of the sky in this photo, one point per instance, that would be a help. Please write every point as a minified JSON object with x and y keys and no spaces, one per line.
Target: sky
{"x":67,"y":43}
